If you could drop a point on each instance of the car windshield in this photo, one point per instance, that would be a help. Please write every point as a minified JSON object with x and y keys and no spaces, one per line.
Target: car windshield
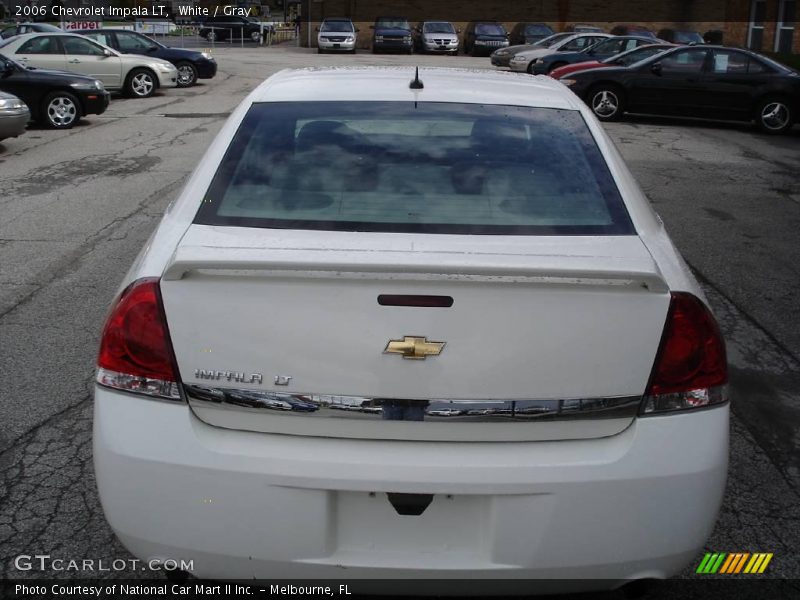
{"x":340,"y":26}
{"x":553,"y":39}
{"x":537,"y":30}
{"x":687,"y":37}
{"x":419,"y":167}
{"x":630,"y":57}
{"x":489,"y":29}
{"x":392,"y":24}
{"x":442,"y":27}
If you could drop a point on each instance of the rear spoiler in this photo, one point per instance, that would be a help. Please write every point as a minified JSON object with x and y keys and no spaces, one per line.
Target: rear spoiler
{"x":387,"y":264}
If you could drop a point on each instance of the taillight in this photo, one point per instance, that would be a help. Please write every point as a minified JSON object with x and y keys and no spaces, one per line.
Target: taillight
{"x":691,"y":369}
{"x":135,"y":349}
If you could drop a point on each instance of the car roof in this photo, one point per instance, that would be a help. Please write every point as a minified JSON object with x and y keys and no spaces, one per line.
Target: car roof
{"x":473,"y":86}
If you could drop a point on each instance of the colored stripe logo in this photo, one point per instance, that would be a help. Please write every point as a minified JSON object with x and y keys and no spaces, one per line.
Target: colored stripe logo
{"x":734,"y":563}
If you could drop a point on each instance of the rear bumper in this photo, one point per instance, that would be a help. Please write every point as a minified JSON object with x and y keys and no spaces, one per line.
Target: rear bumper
{"x":13,"y":125}
{"x":243,"y":505}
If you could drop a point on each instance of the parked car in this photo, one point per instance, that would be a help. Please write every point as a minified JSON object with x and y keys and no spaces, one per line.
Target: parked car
{"x":603,"y":49}
{"x":191,"y":64}
{"x":337,"y":35}
{"x":680,"y":36}
{"x":529,"y":33}
{"x":501,"y":199}
{"x":633,"y":30}
{"x":438,"y":37}
{"x":55,"y":98}
{"x":502,"y":56}
{"x":583,"y":28}
{"x":713,"y":82}
{"x":22,"y":28}
{"x":221,"y":28}
{"x":483,"y":37}
{"x":136,"y":76}
{"x":14,"y":115}
{"x":625,"y":59}
{"x":524,"y":61}
{"x":392,"y":34}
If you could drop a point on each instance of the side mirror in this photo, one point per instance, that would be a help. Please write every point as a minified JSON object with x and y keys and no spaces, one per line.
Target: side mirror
{"x":107,"y":53}
{"x":655,"y":68}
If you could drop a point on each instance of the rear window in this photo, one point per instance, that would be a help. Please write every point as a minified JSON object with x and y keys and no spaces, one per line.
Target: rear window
{"x":415,"y":167}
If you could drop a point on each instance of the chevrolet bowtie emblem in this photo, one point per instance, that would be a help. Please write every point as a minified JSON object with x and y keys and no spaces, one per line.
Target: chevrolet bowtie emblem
{"x":415,"y":348}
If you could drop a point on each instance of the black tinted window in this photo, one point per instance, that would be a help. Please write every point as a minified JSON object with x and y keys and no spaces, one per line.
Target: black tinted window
{"x":415,"y":167}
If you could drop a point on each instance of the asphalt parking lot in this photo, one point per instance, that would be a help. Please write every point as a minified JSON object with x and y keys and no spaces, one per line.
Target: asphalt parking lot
{"x":78,"y":205}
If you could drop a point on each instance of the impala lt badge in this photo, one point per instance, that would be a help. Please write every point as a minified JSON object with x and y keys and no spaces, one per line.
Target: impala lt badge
{"x":414,"y":348}
{"x":237,"y":376}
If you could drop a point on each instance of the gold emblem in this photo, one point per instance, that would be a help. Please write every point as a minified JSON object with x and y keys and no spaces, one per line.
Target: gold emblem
{"x":414,"y":348}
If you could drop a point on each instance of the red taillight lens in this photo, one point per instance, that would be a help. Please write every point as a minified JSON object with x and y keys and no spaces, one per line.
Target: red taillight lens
{"x":691,"y":368}
{"x":135,"y":349}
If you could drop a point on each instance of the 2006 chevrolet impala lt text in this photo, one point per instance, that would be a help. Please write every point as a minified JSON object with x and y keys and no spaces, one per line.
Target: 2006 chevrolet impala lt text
{"x":421,"y":328}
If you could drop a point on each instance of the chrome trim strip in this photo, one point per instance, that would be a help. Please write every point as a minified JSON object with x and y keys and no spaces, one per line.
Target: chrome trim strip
{"x":397,"y":409}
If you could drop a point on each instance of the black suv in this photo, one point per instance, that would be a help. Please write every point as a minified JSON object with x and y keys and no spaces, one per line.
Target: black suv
{"x":392,"y":34}
{"x":484,"y":37}
{"x":222,"y":28}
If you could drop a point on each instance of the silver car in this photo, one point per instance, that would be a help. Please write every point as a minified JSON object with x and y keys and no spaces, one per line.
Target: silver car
{"x":14,"y":116}
{"x":439,"y":37}
{"x":135,"y":75}
{"x":337,"y":35}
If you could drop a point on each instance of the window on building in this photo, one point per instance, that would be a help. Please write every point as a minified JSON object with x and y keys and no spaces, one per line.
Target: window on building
{"x":784,"y":33}
{"x":755,"y":34}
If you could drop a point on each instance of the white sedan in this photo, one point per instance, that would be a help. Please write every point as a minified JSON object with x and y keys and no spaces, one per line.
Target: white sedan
{"x":523,"y":61}
{"x":136,"y":76}
{"x":465,"y":257}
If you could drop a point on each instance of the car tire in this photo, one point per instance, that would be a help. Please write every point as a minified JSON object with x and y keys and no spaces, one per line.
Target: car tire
{"x":607,"y":102}
{"x":774,"y":115}
{"x":187,"y":74}
{"x":255,"y":36}
{"x":60,"y":110}
{"x":320,"y":51}
{"x":212,"y":36}
{"x":141,"y":83}
{"x":530,"y":68}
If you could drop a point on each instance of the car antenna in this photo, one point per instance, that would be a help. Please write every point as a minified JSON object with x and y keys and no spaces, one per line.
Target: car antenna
{"x":416,"y":84}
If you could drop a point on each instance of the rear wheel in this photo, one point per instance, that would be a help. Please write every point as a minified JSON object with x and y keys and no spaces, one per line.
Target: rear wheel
{"x":187,"y":74}
{"x":60,"y":110}
{"x":774,"y":115}
{"x":530,"y":68}
{"x":255,"y":36}
{"x":212,"y":36}
{"x":141,"y":83}
{"x":607,"y":102}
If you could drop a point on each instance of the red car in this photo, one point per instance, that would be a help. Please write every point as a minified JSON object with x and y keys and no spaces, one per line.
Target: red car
{"x":623,"y":59}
